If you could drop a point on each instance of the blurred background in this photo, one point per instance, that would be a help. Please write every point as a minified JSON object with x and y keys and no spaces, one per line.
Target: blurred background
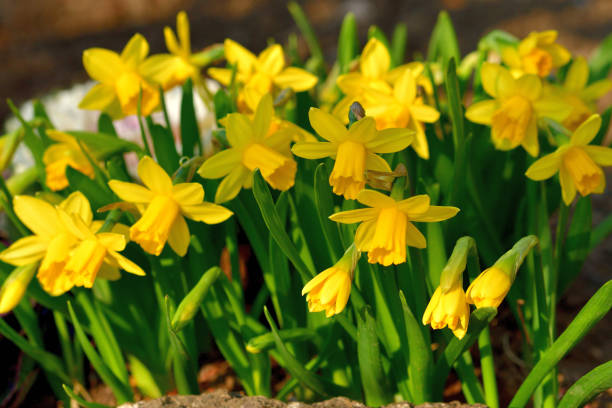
{"x":41,"y":41}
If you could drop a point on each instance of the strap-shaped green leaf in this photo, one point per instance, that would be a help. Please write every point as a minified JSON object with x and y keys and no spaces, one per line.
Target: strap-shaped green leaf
{"x":443,"y":43}
{"x":190,"y":133}
{"x":87,"y":404}
{"x":164,"y":147}
{"x":325,"y":208}
{"x":588,"y":386}
{"x":347,"y":42}
{"x":264,"y":342}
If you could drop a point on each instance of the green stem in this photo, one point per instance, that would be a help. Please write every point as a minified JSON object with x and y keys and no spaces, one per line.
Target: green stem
{"x":488,"y":368}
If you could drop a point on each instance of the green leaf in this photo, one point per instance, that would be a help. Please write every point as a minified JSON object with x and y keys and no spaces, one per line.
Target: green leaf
{"x":373,"y":378}
{"x":443,"y":44}
{"x":80,"y":400}
{"x":601,"y":60}
{"x":347,"y":43}
{"x":600,"y":232}
{"x":105,"y":125}
{"x":301,"y":20}
{"x":97,"y":195}
{"x":266,"y":341}
{"x":163,"y":146}
{"x":398,"y":44}
{"x":375,"y":32}
{"x":606,"y":115}
{"x":576,"y":244}
{"x":190,"y":133}
{"x":595,"y":309}
{"x":325,"y":207}
{"x":122,"y":391}
{"x":32,"y":141}
{"x":497,"y":40}
{"x":103,"y":144}
{"x":459,"y":143}
{"x":188,"y":307}
{"x":185,"y":374}
{"x":588,"y":386}
{"x":223,"y":104}
{"x":272,"y":220}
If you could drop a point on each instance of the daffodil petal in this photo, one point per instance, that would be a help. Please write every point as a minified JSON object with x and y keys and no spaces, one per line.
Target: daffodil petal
{"x":171,"y":42}
{"x":596,"y":90}
{"x":327,"y":126}
{"x":25,"y":251}
{"x":568,"y":189}
{"x":530,"y":141}
{"x":102,"y":65}
{"x":496,"y":80}
{"x":38,"y":215}
{"x":390,"y":141}
{"x":545,"y":167}
{"x":271,"y":60}
{"x":482,"y":112}
{"x":373,"y":198}
{"x":220,"y":164}
{"x":263,"y":117}
{"x":353,"y":216}
{"x":424,"y":113}
{"x":130,"y":192}
{"x":112,"y":241}
{"x":436,"y":213}
{"x":414,"y":237}
{"x":239,"y":130}
{"x":363,"y":130}
{"x":601,"y":155}
{"x":375,"y":59}
{"x":206,"y":212}
{"x":552,"y":107}
{"x":179,"y":237}
{"x":364,"y":234}
{"x":587,"y":131}
{"x":314,"y":150}
{"x":99,"y":97}
{"x":295,"y":78}
{"x":529,"y":86}
{"x":182,"y":29}
{"x":376,"y":163}
{"x":153,"y":176}
{"x":188,"y":193}
{"x":317,"y":280}
{"x":237,"y":54}
{"x":577,"y":75}
{"x":126,"y":264}
{"x":78,"y":205}
{"x":223,"y":75}
{"x":135,"y":51}
{"x":405,"y":88}
{"x":232,"y":183}
{"x":414,"y":206}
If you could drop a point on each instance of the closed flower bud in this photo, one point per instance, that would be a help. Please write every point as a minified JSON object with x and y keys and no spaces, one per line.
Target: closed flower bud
{"x":14,"y":287}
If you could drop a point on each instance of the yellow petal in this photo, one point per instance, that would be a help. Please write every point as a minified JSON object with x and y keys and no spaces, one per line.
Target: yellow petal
{"x":373,"y":198}
{"x":414,"y":206}
{"x":551,"y":106}
{"x":130,"y":192}
{"x":390,"y":141}
{"x":206,"y":212}
{"x":375,"y":59}
{"x":405,"y":88}
{"x":530,"y":141}
{"x":363,"y":130}
{"x":376,"y":163}
{"x":587,"y":131}
{"x":545,"y":167}
{"x":126,"y":264}
{"x":239,"y":129}
{"x":364,"y":234}
{"x":25,"y":251}
{"x":102,"y":65}
{"x":600,"y":154}
{"x":351,"y":83}
{"x":353,"y":216}
{"x":99,"y":97}
{"x":327,"y":126}
{"x":188,"y":193}
{"x":231,"y":184}
{"x":263,"y":117}
{"x":568,"y":189}
{"x":529,"y":86}
{"x":511,"y":57}
{"x":153,"y":176}
{"x":436,"y":213}
{"x":496,"y":80}
{"x":596,"y":90}
{"x":482,"y":112}
{"x":77,"y":204}
{"x":420,"y":145}
{"x":237,"y":54}
{"x":577,"y":75}
{"x":271,"y":60}
{"x":424,"y":113}
{"x":314,"y":150}
{"x":179,"y":237}
{"x":295,"y":78}
{"x":341,"y":110}
{"x":560,"y":55}
{"x":223,"y":75}
{"x":112,"y":241}
{"x":38,"y":215}
{"x":182,"y":29}
{"x":135,"y":51}
{"x":319,"y":278}
{"x":414,"y":237}
{"x":220,"y":164}
{"x":171,"y":42}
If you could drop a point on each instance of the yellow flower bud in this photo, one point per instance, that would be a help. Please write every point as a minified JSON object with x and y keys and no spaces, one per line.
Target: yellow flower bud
{"x":489,"y":288}
{"x":14,"y":287}
{"x":448,"y":308}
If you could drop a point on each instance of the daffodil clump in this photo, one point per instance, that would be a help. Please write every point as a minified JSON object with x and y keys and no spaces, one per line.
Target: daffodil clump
{"x":323,"y":247}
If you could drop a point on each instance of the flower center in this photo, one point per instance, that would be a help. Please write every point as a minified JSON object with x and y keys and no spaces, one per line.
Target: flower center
{"x":510,"y":121}
{"x":388,"y":244}
{"x":278,"y":170}
{"x":348,"y":175}
{"x":587,"y":176}
{"x":538,"y":62}
{"x":152,"y":229}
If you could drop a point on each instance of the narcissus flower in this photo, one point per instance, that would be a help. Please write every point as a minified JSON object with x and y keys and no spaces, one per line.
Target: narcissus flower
{"x":164,"y":207}
{"x":448,"y":308}
{"x":491,"y":287}
{"x":580,"y":96}
{"x":386,"y":225}
{"x":58,"y":156}
{"x":354,"y":149}
{"x":330,"y":289}
{"x":252,"y":147}
{"x":260,"y":74}
{"x":537,"y":54}
{"x":120,"y":80}
{"x":515,"y":109}
{"x":578,"y":163}
{"x":402,"y":107}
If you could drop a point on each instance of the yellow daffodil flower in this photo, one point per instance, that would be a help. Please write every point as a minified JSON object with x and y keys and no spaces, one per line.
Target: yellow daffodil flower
{"x":580,"y":96}
{"x":120,"y":80}
{"x":69,"y":253}
{"x":66,"y":152}
{"x":578,"y":163}
{"x":329,"y":290}
{"x":354,"y":149}
{"x":259,"y":75}
{"x":164,"y":207}
{"x":170,"y":70}
{"x":386,"y":225}
{"x":493,"y":284}
{"x":516,"y":106}
{"x":448,"y":308}
{"x":252,"y":147}
{"x":402,"y":108}
{"x":537,"y":54}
